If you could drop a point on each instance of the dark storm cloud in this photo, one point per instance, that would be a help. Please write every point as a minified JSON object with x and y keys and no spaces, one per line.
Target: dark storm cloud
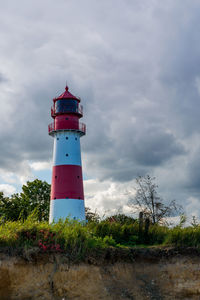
{"x":134,"y":63}
{"x":128,"y":150}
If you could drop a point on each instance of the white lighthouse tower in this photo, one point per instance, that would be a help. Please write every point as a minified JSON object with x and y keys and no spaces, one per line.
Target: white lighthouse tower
{"x":67,"y":196}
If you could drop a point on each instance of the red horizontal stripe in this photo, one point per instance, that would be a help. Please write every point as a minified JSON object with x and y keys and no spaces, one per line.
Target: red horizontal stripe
{"x":66,"y":121}
{"x":67,"y":182}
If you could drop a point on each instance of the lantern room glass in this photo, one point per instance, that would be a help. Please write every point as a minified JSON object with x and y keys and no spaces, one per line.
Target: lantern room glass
{"x":66,"y":106}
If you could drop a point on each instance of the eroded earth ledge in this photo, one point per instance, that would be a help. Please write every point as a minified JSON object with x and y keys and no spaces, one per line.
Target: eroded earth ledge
{"x":120,"y":274}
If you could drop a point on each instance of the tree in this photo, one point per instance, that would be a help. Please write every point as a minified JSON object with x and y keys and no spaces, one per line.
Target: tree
{"x":35,"y":195}
{"x":121,"y":219}
{"x":11,"y":208}
{"x":149,"y":202}
{"x":91,"y":216}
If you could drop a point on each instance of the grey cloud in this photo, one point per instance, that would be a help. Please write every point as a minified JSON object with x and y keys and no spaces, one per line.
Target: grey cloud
{"x":133,"y":152}
{"x":3,"y":78}
{"x":155,"y":147}
{"x":134,"y":64}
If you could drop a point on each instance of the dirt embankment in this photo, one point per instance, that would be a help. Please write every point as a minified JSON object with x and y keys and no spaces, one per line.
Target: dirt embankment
{"x":134,"y":274}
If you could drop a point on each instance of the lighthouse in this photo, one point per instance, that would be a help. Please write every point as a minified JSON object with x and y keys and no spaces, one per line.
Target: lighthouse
{"x":67,"y":196}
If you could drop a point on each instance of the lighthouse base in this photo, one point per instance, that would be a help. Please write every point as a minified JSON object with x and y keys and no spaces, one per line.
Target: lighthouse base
{"x":67,"y":208}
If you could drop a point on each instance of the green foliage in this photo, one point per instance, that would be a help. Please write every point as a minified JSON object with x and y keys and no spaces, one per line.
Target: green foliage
{"x":108,"y":240}
{"x":120,"y":233}
{"x":182,"y":220}
{"x":23,"y":225}
{"x":188,"y":236}
{"x":11,"y":208}
{"x":71,"y":237}
{"x":157,"y":234}
{"x":79,"y":240}
{"x":121,"y":219}
{"x":91,"y":216}
{"x":35,"y":196}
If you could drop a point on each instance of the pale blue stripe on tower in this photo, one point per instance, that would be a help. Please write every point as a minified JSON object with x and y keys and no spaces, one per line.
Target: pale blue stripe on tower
{"x":63,"y":208}
{"x":67,"y":149}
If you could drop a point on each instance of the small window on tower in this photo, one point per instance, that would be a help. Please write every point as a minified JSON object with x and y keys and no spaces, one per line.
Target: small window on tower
{"x":66,"y":118}
{"x":57,"y":139}
{"x":76,"y":139}
{"x":67,"y":154}
{"x":66,"y":137}
{"x":78,"y":176}
{"x":56,"y":176}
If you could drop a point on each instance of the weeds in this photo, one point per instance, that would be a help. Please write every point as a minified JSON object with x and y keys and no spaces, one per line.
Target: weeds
{"x":78,"y":240}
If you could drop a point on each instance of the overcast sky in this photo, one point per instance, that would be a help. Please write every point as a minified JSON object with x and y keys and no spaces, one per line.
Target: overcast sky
{"x":136,"y":66}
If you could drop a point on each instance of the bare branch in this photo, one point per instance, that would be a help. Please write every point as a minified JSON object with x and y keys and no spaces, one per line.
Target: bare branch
{"x":150,"y":203}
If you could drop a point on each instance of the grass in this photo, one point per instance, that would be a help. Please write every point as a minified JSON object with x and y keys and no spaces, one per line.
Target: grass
{"x":80,"y":240}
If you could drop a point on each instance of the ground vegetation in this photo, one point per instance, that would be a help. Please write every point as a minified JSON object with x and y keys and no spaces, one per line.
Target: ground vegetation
{"x":24,"y":225}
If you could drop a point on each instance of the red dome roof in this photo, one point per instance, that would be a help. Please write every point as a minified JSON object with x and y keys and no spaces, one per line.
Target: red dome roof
{"x":67,"y":95}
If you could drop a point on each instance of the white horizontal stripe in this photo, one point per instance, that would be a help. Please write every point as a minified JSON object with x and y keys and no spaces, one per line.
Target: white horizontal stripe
{"x":66,"y":208}
{"x":67,"y":149}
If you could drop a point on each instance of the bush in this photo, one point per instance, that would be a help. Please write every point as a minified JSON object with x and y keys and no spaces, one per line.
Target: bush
{"x":122,"y":234}
{"x":79,"y":240}
{"x":188,"y":236}
{"x":157,"y":234}
{"x":109,"y":241}
{"x":71,"y":237}
{"x":121,"y":219}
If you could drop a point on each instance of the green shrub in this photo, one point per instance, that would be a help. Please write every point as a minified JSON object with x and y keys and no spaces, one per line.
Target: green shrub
{"x":157,"y":234}
{"x":121,"y":219}
{"x":78,"y":240}
{"x":120,"y":233}
{"x":188,"y":236}
{"x":109,"y":241}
